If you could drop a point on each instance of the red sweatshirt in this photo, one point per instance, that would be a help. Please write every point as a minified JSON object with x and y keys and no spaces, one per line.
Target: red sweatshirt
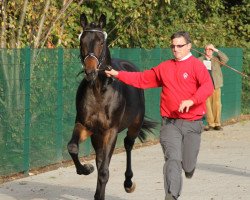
{"x":180,"y":80}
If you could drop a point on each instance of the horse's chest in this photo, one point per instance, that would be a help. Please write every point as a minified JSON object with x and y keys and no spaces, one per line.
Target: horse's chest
{"x":97,"y":112}
{"x":97,"y":115}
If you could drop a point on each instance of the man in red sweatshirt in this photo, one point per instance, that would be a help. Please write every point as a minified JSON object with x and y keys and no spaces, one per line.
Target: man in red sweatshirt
{"x":186,"y":84}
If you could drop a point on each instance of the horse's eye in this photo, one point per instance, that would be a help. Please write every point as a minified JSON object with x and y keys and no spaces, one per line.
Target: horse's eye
{"x":101,"y":42}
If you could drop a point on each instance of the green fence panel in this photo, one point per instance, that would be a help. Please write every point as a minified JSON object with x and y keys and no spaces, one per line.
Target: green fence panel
{"x":151,"y":58}
{"x":166,"y":54}
{"x":44,"y":98}
{"x":59,"y":110}
{"x":37,"y":101}
{"x":231,"y":91}
{"x":115,"y":52}
{"x":26,"y":134}
{"x":12,"y":111}
{"x":133,"y":55}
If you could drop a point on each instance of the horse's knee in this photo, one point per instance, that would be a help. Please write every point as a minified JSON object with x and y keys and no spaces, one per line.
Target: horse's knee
{"x":128,"y":143}
{"x":73,"y":148}
{"x":103,"y":176}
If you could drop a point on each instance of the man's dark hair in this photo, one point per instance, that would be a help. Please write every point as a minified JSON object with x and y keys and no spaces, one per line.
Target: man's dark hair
{"x":182,"y":34}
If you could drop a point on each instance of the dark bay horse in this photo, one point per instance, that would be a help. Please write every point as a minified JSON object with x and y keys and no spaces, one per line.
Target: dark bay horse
{"x":105,"y":107}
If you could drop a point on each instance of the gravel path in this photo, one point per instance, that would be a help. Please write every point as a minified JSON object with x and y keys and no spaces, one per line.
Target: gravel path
{"x":223,"y":173}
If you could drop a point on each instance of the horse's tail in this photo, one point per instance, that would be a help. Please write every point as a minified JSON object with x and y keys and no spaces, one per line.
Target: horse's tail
{"x":147,"y":127}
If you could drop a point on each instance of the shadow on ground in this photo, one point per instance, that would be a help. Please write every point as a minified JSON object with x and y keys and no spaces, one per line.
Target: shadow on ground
{"x":36,"y":190}
{"x":224,"y":169}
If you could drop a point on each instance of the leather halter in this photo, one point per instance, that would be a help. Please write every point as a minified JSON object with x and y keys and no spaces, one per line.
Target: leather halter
{"x":102,"y":56}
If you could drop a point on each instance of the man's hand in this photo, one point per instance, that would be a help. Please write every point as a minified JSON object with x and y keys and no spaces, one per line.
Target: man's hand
{"x":185,"y":104}
{"x":111,"y":73}
{"x":212,"y":47}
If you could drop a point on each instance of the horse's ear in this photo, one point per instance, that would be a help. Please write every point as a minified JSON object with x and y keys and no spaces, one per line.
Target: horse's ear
{"x":102,"y":21}
{"x":83,"y":20}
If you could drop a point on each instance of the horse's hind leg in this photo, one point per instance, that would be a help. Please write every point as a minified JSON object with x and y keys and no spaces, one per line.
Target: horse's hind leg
{"x":80,"y":133}
{"x":128,"y":184}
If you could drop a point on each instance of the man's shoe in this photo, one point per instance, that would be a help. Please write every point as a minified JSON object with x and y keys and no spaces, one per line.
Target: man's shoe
{"x":208,"y":128}
{"x":218,"y":128}
{"x":189,"y":174}
{"x":169,"y":197}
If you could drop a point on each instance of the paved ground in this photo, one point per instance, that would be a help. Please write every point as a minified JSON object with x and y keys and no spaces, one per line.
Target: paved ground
{"x":223,"y":173}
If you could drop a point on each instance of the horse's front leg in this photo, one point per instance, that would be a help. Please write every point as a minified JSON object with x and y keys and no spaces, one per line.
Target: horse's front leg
{"x":128,"y":184}
{"x":80,"y":133}
{"x":104,"y":145}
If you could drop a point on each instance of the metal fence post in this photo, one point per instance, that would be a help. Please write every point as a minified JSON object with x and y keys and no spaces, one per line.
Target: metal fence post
{"x":59,"y":124}
{"x":26,"y":136}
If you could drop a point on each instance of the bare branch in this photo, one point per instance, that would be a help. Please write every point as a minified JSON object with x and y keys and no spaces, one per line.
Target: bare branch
{"x":61,"y":12}
{"x":4,"y":68}
{"x":3,"y":24}
{"x":41,"y":23}
{"x":21,"y":22}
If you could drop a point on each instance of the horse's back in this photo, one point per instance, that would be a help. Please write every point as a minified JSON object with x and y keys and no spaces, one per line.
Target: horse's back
{"x":134,"y":97}
{"x":123,"y":65}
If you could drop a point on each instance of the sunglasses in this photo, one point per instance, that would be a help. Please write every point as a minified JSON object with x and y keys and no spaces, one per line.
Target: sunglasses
{"x":178,"y":46}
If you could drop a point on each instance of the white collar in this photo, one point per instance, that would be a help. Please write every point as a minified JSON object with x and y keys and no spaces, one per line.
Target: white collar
{"x":186,"y":57}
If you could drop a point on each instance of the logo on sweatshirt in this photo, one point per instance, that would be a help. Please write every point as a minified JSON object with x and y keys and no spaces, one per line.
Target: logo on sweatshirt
{"x":185,"y":75}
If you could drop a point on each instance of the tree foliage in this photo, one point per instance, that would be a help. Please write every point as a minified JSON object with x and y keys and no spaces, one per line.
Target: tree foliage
{"x":130,"y":23}
{"x":136,"y":23}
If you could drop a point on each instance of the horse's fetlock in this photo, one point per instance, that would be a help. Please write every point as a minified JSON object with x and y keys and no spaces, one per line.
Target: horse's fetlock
{"x":129,"y":174}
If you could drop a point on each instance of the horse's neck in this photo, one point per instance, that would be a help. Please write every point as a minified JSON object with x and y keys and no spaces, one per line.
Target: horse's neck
{"x":105,"y":81}
{"x":107,"y":57}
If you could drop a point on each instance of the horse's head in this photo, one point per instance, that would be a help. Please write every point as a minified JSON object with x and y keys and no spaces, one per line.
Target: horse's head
{"x":93,"y":47}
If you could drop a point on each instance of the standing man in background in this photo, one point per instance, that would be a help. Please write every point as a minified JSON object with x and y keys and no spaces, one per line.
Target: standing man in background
{"x":213,"y":103}
{"x":186,"y":84}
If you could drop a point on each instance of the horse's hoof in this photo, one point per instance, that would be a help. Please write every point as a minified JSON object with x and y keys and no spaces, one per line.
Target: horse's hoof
{"x":85,"y":169}
{"x":131,"y":189}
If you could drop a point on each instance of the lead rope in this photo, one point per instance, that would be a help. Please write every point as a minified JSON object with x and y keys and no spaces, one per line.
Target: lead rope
{"x":224,"y":64}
